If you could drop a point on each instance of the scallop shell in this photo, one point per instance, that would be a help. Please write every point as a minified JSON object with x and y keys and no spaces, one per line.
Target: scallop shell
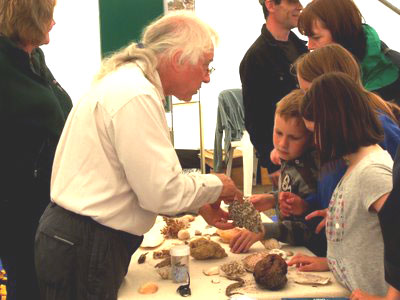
{"x":307,"y":278}
{"x":148,"y":288}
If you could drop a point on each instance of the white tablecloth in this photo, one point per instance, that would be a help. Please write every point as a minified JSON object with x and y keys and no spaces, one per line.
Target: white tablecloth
{"x":201,"y":285}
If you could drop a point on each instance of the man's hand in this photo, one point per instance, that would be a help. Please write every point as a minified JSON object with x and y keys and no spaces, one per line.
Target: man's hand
{"x":291,"y":204}
{"x":318,"y":213}
{"x":307,"y":263}
{"x":242,"y":241}
{"x":229,"y":190}
{"x":215,"y":216}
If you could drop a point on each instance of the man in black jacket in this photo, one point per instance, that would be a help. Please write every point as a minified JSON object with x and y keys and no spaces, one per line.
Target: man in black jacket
{"x":265,"y":72}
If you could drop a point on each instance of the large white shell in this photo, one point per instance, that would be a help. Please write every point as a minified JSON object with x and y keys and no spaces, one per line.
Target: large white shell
{"x":154,"y":238}
{"x":307,"y":278}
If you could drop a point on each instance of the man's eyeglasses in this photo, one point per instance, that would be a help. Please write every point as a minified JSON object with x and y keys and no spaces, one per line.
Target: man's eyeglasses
{"x":210,"y":70}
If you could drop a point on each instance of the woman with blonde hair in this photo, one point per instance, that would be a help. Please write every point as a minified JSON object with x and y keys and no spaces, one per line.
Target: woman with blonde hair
{"x":33,"y":110}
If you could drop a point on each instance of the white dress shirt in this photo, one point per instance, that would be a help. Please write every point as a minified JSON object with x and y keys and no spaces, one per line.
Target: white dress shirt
{"x":115,"y":161}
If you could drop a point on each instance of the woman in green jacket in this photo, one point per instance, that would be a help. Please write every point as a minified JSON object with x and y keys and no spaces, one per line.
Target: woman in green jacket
{"x":341,"y":22}
{"x":33,"y":110}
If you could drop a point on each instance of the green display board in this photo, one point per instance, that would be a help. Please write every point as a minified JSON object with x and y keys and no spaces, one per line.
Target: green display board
{"x":122,"y":21}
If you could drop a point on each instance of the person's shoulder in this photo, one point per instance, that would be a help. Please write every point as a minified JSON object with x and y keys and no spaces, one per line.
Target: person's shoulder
{"x":124,"y":84}
{"x":380,"y":159}
{"x":302,"y":44}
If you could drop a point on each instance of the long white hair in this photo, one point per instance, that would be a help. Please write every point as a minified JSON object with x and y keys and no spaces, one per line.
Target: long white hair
{"x":178,"y":31}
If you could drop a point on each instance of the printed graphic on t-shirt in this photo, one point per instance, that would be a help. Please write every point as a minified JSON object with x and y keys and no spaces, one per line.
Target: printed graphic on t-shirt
{"x":286,"y":185}
{"x":335,"y":218}
{"x":339,"y":271}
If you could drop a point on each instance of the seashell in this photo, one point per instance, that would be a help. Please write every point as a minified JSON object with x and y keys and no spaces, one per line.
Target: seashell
{"x":215,"y":280}
{"x":307,"y":278}
{"x":250,"y":261}
{"x":227,"y":235}
{"x":271,"y":244}
{"x":197,"y":232}
{"x":183,"y":235}
{"x":280,"y":252}
{"x":164,"y":272}
{"x":211,"y":271}
{"x":148,"y":288}
{"x":154,"y":237}
{"x":188,"y":218}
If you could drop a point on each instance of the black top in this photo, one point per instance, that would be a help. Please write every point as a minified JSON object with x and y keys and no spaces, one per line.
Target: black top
{"x":390,"y":225}
{"x":265,"y":72}
{"x":33,"y":110}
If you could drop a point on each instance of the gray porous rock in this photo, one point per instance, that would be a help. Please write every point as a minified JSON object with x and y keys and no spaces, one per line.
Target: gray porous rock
{"x":244,"y":214}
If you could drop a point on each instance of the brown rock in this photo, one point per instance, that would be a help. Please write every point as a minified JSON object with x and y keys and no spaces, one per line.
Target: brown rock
{"x":270,"y":272}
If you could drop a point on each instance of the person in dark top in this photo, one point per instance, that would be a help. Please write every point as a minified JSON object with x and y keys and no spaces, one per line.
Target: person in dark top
{"x":265,"y":73}
{"x":33,"y":110}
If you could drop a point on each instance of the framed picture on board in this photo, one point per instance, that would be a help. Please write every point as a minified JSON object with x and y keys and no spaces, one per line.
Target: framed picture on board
{"x":170,"y":5}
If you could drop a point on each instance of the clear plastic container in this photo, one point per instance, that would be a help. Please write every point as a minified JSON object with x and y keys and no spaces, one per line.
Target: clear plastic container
{"x":180,"y":263}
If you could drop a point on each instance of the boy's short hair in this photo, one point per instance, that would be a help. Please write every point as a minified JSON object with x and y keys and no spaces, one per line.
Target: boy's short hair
{"x":289,"y":106}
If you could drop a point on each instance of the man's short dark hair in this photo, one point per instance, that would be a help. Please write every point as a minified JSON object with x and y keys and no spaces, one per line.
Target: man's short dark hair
{"x":265,"y":10}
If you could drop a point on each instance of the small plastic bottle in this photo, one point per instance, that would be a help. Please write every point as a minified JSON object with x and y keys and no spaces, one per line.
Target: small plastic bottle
{"x":180,"y":263}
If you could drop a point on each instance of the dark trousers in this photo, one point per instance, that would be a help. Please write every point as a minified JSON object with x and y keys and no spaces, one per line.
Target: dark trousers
{"x":77,"y":258}
{"x":16,"y":250}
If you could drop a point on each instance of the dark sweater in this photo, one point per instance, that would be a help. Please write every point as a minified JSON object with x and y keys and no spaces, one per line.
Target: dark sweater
{"x":33,"y":110}
{"x":265,"y":72}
